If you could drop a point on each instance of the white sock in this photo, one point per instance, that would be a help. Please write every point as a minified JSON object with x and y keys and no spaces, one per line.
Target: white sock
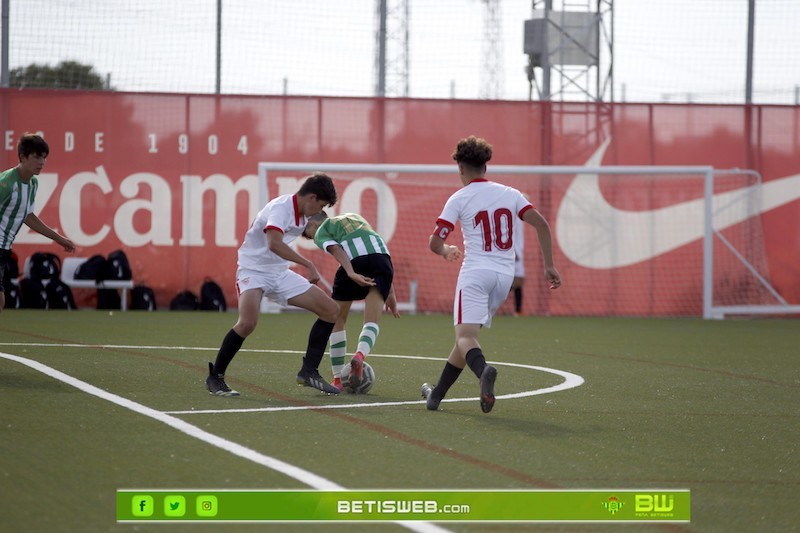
{"x":338,"y":342}
{"x":369,"y":334}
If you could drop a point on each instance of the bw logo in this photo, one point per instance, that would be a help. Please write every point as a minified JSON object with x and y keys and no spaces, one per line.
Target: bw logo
{"x":659,"y":503}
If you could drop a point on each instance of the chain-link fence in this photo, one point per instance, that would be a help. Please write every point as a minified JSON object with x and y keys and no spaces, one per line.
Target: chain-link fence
{"x":677,"y":51}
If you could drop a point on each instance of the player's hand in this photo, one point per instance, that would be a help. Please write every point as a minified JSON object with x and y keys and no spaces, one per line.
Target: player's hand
{"x":553,"y":277}
{"x":364,"y":281}
{"x":68,"y":245}
{"x":313,"y":275}
{"x":453,"y":253}
{"x":391,"y":305}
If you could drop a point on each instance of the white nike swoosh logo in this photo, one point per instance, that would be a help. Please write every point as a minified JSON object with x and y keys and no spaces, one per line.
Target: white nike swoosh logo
{"x":594,"y":234}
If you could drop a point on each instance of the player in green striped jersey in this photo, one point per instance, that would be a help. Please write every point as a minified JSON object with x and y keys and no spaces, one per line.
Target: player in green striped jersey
{"x":18,"y":187}
{"x":366,"y":273}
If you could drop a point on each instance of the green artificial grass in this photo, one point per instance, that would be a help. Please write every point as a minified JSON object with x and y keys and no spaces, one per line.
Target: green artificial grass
{"x":709,"y":406}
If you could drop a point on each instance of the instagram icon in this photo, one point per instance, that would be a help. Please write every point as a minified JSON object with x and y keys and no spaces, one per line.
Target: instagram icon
{"x":206,"y":505}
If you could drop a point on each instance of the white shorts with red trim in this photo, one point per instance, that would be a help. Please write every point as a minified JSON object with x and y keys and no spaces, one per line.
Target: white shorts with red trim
{"x":479,"y":293}
{"x":279,"y":285}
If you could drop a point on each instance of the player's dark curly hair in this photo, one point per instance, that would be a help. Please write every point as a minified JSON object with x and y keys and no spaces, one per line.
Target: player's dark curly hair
{"x":318,"y":218}
{"x":320,"y":184}
{"x":473,"y":151}
{"x":30,"y":143}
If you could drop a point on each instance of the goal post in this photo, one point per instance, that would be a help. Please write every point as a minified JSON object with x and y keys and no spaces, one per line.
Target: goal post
{"x":740,"y":210}
{"x":628,"y":240}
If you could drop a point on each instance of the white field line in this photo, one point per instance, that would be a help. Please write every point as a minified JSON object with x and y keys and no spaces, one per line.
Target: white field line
{"x":304,"y":476}
{"x":570,"y":380}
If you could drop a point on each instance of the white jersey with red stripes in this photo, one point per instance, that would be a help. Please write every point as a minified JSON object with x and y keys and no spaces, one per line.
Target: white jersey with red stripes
{"x":487,"y":212}
{"x":281,"y":214}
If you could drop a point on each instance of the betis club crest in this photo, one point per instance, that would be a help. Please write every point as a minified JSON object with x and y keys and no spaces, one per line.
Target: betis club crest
{"x":613,"y":505}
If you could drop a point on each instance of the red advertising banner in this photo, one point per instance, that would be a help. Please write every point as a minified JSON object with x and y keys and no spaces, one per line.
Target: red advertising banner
{"x":173,"y":181}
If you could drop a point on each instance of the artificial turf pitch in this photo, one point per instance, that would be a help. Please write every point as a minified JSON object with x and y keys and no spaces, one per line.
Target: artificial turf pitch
{"x":710,"y":406}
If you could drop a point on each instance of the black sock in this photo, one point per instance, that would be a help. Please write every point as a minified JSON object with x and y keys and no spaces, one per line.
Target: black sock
{"x":476,"y":361}
{"x":230,"y":345}
{"x":518,"y":299}
{"x":449,"y":376}
{"x":317,"y":341}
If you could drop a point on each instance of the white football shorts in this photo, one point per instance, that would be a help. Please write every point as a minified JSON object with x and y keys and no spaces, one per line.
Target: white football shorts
{"x":479,"y":293}
{"x":279,"y":285}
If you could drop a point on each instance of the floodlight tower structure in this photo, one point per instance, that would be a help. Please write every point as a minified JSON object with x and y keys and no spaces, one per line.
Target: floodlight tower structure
{"x":391,"y":50}
{"x":573,"y":50}
{"x":492,"y":75}
{"x":570,"y":59}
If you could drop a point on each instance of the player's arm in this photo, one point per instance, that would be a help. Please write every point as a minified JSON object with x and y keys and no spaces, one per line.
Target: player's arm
{"x":284,"y":251}
{"x":36,"y":224}
{"x":338,"y":253}
{"x":438,"y":246}
{"x":539,"y":223}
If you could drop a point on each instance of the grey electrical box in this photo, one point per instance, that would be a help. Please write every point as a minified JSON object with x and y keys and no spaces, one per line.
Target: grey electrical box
{"x":563,"y":38}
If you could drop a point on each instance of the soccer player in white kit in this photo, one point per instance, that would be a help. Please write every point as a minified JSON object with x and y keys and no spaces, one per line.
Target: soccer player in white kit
{"x":263,"y":271}
{"x":486,"y":211}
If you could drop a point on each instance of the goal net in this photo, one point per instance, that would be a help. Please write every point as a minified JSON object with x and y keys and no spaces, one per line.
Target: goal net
{"x":628,"y":241}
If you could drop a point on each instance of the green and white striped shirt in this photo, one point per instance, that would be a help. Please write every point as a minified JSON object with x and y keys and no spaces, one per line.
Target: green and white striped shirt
{"x":16,"y":202}
{"x":352,"y":233}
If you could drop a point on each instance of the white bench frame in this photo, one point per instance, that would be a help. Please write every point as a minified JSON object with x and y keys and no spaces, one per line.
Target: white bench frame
{"x":68,"y":267}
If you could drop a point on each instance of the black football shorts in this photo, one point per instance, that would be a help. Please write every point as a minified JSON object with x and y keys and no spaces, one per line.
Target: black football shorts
{"x":376,"y":266}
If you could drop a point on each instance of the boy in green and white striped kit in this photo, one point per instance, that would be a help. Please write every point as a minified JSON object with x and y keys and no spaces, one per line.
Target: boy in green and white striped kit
{"x":366,"y":273}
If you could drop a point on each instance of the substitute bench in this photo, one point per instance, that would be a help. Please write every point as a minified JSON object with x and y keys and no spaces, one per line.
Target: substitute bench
{"x":71,"y":264}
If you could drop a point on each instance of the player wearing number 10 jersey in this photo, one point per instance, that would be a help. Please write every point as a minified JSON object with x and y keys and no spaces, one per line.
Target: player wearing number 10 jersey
{"x":487,"y":212}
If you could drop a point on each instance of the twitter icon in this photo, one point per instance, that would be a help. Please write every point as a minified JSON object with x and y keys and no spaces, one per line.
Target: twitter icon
{"x":174,"y":506}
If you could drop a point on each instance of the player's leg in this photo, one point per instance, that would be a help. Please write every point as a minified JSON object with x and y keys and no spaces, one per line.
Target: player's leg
{"x":473,"y":310}
{"x":466,"y":304}
{"x":478,"y":295}
{"x":316,"y":301}
{"x":373,"y":307}
{"x":345,"y":291}
{"x":448,"y":377}
{"x":338,"y":342}
{"x":249,"y":309}
{"x":497,"y":286}
{"x":379,"y":267}
{"x":249,"y":306}
{"x":516,"y":287}
{"x":319,"y":303}
{"x":466,"y":351}
{"x":469,"y":349}
{"x":467,"y":342}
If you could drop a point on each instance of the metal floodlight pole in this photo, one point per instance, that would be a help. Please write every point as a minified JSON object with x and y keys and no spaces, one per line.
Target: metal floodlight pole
{"x":751,"y":16}
{"x":546,"y":71}
{"x":4,"y":75}
{"x":380,"y":83}
{"x":219,"y":46}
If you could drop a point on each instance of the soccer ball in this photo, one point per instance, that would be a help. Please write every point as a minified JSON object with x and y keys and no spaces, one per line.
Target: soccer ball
{"x":366,"y":383}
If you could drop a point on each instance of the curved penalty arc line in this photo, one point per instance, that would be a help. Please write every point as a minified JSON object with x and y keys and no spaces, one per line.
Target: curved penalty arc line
{"x":571,"y":381}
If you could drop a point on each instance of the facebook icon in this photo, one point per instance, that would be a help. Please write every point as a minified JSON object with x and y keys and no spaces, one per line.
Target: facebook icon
{"x":142,"y":505}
